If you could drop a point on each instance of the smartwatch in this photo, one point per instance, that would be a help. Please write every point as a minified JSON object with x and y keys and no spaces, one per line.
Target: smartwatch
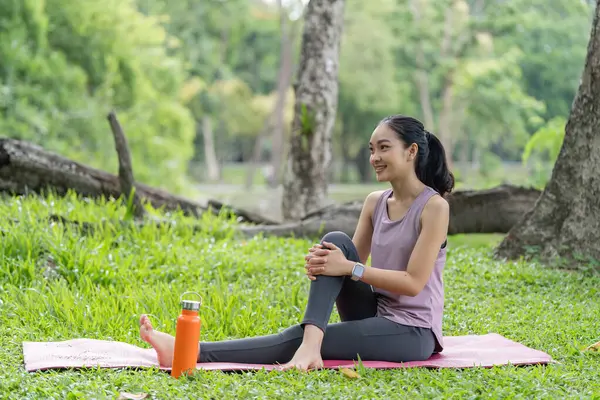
{"x":358,"y":271}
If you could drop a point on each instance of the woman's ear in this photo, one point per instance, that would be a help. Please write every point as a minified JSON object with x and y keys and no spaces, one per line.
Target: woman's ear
{"x":413,"y":150}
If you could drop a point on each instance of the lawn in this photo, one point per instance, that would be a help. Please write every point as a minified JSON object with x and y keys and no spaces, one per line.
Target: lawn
{"x":57,"y":283}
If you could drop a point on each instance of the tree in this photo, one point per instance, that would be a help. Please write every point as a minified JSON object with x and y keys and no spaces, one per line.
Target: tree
{"x":368,"y":41}
{"x":464,"y":79}
{"x":553,"y":51}
{"x":67,"y":63}
{"x":228,"y":47}
{"x":275,"y":123}
{"x":565,"y":221}
{"x":316,"y":93}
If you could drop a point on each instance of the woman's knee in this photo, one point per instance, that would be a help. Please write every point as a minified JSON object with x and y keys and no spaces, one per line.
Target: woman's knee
{"x":344,"y":242}
{"x":338,"y":238}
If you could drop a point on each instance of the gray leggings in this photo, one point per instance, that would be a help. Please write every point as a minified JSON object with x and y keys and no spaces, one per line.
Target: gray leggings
{"x":360,"y":334}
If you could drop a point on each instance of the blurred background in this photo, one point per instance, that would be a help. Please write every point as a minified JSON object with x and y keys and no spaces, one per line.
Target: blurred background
{"x":203,"y":88}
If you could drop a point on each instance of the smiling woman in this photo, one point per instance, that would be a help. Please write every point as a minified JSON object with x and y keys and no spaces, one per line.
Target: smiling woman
{"x":403,"y":143}
{"x":389,"y":312}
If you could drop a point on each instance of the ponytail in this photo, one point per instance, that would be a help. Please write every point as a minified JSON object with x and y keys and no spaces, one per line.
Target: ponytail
{"x":433,"y":169}
{"x":431,"y":166}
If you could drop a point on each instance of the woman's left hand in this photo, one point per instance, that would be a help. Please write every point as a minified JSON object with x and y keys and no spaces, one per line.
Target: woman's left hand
{"x":329,"y":261}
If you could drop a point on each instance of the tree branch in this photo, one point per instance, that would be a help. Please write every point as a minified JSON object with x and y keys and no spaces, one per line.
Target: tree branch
{"x":126,"y":180}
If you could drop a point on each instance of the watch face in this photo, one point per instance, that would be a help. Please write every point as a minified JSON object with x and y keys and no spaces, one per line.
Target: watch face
{"x":359,"y":270}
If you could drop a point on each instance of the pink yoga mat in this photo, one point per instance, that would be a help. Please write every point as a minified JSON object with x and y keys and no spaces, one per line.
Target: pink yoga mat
{"x":460,"y":352}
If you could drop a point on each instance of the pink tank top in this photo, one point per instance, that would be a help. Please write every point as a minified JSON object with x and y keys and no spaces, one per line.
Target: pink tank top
{"x":391,"y":247}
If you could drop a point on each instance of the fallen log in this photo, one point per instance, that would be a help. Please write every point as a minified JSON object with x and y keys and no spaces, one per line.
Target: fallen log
{"x":487,"y":211}
{"x":28,"y":168}
{"x":493,"y":210}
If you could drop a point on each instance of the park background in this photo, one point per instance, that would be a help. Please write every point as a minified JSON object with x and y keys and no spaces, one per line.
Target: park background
{"x":203,"y":88}
{"x":203,"y":92}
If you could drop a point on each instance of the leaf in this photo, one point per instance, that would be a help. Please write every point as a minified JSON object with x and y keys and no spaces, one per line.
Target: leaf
{"x":593,"y":347}
{"x":349,"y":373}
{"x":131,"y":396}
{"x":190,"y":89}
{"x":549,"y":138}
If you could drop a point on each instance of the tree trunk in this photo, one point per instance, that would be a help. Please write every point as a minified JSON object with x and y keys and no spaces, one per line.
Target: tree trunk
{"x":345,"y":149}
{"x":210,"y":154}
{"x":566,"y":220}
{"x":445,"y":128}
{"x":316,"y":94}
{"x":256,"y":151}
{"x":361,"y":162}
{"x":275,"y":124}
{"x":421,"y":77}
{"x":283,"y":83}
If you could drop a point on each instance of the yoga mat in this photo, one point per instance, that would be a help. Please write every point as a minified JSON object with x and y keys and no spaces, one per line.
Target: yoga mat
{"x":459,"y":352}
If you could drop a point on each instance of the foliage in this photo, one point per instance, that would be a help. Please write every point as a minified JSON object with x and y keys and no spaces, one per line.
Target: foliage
{"x":485,"y":54}
{"x":548,"y":139}
{"x":67,"y":63}
{"x":57,"y":284}
{"x":232,"y":47}
{"x":554,"y":46}
{"x":495,"y":102}
{"x":543,"y":147}
{"x":166,"y":65}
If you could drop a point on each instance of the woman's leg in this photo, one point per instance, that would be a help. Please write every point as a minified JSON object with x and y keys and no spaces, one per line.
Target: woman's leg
{"x":377,"y":339}
{"x":354,"y":300}
{"x":373,"y":338}
{"x":359,"y":333}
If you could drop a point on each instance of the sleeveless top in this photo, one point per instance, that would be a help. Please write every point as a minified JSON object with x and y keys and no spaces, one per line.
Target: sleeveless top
{"x":391,"y":248}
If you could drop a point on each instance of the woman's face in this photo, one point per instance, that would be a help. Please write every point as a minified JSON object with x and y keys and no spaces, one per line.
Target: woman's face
{"x":389,"y":156}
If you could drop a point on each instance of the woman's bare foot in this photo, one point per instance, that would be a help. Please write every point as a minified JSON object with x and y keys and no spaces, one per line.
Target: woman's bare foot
{"x":163,"y":343}
{"x":306,"y":357}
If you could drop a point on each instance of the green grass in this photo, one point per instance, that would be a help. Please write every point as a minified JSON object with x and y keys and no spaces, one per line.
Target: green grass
{"x":57,"y":284}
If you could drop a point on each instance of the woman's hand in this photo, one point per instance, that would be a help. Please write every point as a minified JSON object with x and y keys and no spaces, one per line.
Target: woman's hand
{"x":315,"y":251}
{"x":326,"y":259}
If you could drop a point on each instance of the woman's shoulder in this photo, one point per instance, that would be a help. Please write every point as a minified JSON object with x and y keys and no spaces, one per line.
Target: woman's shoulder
{"x":436,"y":208}
{"x":373,"y":198}
{"x":437,"y":204}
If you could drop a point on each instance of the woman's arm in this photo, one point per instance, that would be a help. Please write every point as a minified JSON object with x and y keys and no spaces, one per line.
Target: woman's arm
{"x":362,"y":239}
{"x":364,"y":228}
{"x":434,"y":230}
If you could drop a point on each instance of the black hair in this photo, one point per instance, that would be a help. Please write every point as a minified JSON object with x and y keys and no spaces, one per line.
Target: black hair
{"x":431,"y":165}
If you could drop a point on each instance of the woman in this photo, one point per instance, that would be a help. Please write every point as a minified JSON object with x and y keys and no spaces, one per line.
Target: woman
{"x":391,"y":311}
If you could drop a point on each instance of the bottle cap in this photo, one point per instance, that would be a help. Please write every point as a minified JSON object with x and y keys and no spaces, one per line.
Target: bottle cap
{"x":190,"y":304}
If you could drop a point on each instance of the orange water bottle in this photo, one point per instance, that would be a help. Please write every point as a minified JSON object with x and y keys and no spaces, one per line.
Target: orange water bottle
{"x":187,"y":337}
